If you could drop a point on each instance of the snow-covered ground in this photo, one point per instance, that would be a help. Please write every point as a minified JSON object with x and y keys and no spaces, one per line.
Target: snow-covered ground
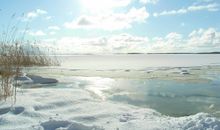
{"x":77,"y":109}
{"x":73,"y":104}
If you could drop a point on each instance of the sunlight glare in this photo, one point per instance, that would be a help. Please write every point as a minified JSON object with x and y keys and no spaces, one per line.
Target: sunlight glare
{"x":102,"y":5}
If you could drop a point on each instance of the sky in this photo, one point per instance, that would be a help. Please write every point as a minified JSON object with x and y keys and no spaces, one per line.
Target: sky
{"x":116,"y":26}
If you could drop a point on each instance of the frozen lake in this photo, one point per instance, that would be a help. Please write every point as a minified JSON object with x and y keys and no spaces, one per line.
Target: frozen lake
{"x":137,"y":61}
{"x":120,"y":92}
{"x":173,"y":84}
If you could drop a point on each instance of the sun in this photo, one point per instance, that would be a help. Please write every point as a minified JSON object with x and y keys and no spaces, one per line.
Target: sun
{"x":102,"y":5}
{"x":98,"y":5}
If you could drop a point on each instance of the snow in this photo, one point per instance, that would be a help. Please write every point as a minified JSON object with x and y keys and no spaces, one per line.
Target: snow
{"x":72,"y":107}
{"x":73,"y":99}
{"x":55,"y":124}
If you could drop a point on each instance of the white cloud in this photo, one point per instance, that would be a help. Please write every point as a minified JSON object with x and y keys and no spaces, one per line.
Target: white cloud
{"x":148,"y":1}
{"x":54,"y":28}
{"x":172,"y":42}
{"x":48,"y":18}
{"x":39,"y":11}
{"x":197,"y":41}
{"x":52,"y":33}
{"x":34,"y":14}
{"x":122,"y":43}
{"x":200,"y":40}
{"x":192,"y":8}
{"x":209,"y":7}
{"x":37,"y":33}
{"x":79,"y":45}
{"x":204,"y":38}
{"x":126,"y":43}
{"x":112,"y":21}
{"x":31,"y":15}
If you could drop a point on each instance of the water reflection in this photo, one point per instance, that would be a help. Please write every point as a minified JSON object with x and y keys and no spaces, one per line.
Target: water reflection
{"x":168,"y":96}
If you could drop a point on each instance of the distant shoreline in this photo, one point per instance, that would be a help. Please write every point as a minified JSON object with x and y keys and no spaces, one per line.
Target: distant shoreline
{"x":179,"y":53}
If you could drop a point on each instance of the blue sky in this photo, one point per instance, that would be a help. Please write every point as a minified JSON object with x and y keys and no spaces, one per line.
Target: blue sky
{"x":117,"y":26}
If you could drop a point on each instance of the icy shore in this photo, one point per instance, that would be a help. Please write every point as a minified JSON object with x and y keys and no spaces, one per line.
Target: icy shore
{"x":74,"y":108}
{"x":71,"y":99}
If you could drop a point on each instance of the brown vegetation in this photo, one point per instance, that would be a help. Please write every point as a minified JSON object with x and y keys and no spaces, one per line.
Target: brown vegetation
{"x":15,"y":55}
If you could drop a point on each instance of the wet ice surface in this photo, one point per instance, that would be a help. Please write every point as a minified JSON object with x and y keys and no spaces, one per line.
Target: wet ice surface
{"x":173,"y":98}
{"x":167,"y":96}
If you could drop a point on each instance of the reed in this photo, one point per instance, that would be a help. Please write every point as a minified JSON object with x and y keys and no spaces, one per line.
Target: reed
{"x":15,"y":55}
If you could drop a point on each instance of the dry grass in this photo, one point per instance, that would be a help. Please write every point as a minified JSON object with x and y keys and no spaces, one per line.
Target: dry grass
{"x":15,"y":55}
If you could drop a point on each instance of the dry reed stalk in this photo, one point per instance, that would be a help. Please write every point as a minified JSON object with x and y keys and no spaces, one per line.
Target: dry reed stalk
{"x":16,"y":54}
